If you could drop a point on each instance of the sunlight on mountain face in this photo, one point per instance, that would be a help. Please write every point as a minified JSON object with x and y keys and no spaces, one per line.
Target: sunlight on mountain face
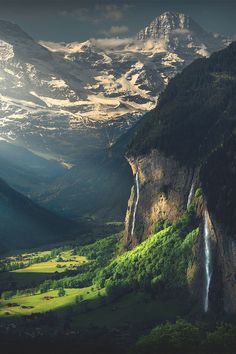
{"x":117,"y":182}
{"x":71,"y":102}
{"x":98,"y":80}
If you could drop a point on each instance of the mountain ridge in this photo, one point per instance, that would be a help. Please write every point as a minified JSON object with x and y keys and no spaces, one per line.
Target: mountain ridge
{"x":71,"y":105}
{"x":167,"y":22}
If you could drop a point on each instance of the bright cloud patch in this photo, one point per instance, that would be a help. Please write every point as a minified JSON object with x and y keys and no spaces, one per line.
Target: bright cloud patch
{"x":119,"y":29}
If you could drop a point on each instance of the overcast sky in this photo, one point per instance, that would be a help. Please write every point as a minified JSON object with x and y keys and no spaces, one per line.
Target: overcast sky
{"x":71,"y":20}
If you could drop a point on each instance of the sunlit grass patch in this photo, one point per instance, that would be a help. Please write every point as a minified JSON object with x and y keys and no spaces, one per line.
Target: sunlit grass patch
{"x":53,"y":266}
{"x":28,"y":304}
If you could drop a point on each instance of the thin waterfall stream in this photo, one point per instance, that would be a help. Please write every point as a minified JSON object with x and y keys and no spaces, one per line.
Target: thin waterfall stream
{"x":207,"y":252}
{"x":136,"y":203}
{"x":190,"y":196}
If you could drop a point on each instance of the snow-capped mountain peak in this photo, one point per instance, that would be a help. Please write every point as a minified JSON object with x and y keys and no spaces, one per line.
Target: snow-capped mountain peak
{"x":167,"y":24}
{"x":49,"y":89}
{"x":179,"y":32}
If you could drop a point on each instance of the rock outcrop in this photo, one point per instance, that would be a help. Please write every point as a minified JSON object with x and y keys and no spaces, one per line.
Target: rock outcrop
{"x":164,"y":190}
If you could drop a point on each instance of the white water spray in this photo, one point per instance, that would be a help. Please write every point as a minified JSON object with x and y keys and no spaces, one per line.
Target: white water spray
{"x":207,"y":251}
{"x":190,"y":196}
{"x":136,"y":203}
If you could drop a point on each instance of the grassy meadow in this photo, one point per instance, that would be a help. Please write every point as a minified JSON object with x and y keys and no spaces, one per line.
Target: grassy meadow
{"x":53,"y":266}
{"x":39,"y":303}
{"x":98,"y":294}
{"x":27,"y":275}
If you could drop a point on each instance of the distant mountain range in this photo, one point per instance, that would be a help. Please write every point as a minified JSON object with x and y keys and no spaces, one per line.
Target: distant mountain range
{"x":70,"y":102}
{"x":53,"y":91}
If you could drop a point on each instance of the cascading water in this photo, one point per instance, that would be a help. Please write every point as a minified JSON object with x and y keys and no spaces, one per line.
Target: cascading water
{"x":207,"y":252}
{"x":190,"y":196}
{"x":136,"y":203}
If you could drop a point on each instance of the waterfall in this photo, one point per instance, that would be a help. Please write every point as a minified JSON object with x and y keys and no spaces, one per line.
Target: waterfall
{"x":136,"y":203}
{"x":207,"y":252}
{"x":190,"y":196}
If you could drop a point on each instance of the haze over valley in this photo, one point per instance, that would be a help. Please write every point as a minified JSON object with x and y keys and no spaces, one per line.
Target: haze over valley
{"x":70,"y":103}
{"x":117,"y":178}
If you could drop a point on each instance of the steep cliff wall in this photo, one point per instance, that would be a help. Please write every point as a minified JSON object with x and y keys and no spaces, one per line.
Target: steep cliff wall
{"x":189,"y":142}
{"x":164,"y":189}
{"x":223,"y":286}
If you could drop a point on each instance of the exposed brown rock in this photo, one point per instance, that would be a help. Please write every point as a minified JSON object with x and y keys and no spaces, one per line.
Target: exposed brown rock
{"x":164,"y":189}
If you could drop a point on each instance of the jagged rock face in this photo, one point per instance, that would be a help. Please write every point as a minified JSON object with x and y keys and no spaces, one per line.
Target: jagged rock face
{"x":177,"y":31}
{"x":163,"y":25}
{"x":164,"y":190}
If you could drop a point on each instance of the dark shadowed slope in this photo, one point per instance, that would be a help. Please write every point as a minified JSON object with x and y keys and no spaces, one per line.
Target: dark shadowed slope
{"x":24,"y":224}
{"x":196,"y":112}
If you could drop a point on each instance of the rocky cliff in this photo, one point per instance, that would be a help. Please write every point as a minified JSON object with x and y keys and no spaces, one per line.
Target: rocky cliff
{"x":185,"y":152}
{"x":164,"y":188}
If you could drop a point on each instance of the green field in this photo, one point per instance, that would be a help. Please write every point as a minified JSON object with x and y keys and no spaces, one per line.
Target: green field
{"x":53,"y":266}
{"x":44,"y":302}
{"x":29,"y":276}
{"x":44,"y":296}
